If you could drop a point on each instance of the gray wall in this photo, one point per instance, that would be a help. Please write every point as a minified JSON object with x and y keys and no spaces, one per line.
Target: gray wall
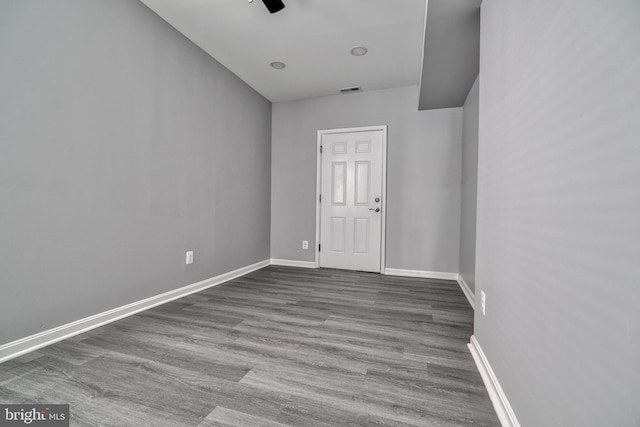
{"x":469,"y":187}
{"x":558,"y":251}
{"x":423,"y":175}
{"x":122,"y":145}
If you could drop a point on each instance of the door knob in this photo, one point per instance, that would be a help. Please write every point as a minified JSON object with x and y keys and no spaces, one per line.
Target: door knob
{"x":375,"y":210}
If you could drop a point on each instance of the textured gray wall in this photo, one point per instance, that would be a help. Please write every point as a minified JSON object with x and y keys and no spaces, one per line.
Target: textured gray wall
{"x":122,"y":145}
{"x":469,"y":187}
{"x":423,"y":174}
{"x":558,"y":251}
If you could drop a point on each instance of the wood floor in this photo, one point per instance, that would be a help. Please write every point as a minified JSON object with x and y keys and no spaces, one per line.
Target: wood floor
{"x":279,"y":347}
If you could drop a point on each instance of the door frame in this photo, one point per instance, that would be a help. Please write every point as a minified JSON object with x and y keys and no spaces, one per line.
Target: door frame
{"x":383,"y":128}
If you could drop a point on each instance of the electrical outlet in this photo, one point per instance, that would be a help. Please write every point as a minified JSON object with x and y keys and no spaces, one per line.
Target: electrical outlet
{"x":305,"y":244}
{"x":483,"y":302}
{"x":189,"y":259}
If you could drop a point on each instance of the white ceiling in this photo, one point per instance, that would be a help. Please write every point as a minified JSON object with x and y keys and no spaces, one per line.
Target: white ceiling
{"x":314,"y":39}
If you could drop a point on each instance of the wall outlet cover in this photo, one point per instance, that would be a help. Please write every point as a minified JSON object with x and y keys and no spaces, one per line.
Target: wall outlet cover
{"x":189,"y":257}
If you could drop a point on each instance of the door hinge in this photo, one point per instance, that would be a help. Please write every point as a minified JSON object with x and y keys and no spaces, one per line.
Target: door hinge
{"x":320,"y":198}
{"x":318,"y":247}
{"x":321,"y":149}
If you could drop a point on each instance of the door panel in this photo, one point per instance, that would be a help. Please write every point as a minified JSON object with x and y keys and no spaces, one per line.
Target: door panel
{"x":339,"y":183}
{"x":363,"y":181}
{"x":339,"y":147}
{"x":338,"y":234}
{"x":351,"y":175}
{"x":361,"y":236}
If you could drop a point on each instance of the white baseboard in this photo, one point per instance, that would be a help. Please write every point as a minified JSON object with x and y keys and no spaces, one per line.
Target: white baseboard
{"x":293,"y":263}
{"x":500,"y":402}
{"x":42,"y":339}
{"x":467,"y":292}
{"x":421,"y":273}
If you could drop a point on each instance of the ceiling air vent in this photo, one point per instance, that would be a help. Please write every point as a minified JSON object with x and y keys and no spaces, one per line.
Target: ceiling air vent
{"x":351,"y":89}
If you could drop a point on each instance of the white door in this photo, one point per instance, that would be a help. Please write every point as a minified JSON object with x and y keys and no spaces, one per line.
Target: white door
{"x":351,"y":199}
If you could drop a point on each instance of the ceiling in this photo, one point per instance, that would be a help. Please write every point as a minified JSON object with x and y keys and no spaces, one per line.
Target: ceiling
{"x":451,"y":53}
{"x":312,"y":37}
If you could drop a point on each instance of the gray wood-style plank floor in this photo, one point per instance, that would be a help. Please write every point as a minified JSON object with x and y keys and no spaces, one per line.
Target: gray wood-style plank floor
{"x":279,"y":347}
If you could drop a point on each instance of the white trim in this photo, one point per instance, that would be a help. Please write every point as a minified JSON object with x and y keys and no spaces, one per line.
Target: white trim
{"x":467,"y":291}
{"x":421,"y":273}
{"x":500,"y":402}
{"x":42,"y":339}
{"x":293,"y":263}
{"x":383,"y":206}
{"x":383,"y":232}
{"x":318,"y":192}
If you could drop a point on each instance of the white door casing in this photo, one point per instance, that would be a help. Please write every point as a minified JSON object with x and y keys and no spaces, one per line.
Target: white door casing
{"x":351,"y":185}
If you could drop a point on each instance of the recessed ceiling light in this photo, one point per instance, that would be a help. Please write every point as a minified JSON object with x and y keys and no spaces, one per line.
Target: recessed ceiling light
{"x":278,"y":65}
{"x":359,"y":51}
